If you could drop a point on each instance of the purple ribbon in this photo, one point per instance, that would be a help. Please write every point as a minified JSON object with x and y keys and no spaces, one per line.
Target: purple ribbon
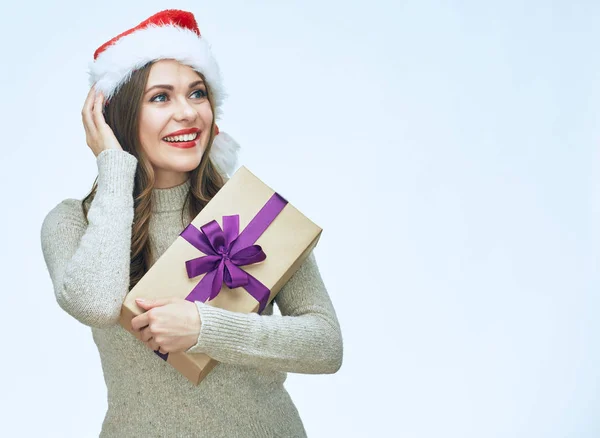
{"x":225,"y":250}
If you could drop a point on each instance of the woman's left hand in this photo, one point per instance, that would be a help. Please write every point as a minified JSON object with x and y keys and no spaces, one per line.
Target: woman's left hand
{"x":168,"y":325}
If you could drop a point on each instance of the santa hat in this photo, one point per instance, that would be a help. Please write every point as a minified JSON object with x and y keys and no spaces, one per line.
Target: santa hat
{"x":169,"y":34}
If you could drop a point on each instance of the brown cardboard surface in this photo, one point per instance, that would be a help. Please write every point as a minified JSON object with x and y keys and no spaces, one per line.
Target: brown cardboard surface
{"x":286,"y":242}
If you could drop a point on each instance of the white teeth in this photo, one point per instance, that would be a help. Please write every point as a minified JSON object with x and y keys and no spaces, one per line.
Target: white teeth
{"x":186,"y":137}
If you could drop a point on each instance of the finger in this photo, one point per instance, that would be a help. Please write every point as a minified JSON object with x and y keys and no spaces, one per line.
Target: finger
{"x":153,"y":345}
{"x":89,"y":99}
{"x":86,"y":114}
{"x":140,"y":321}
{"x":146,"y":334}
{"x":162,"y":350}
{"x":97,"y":112}
{"x":149,"y":304}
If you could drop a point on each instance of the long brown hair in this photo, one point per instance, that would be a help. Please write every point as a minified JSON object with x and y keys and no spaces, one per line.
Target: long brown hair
{"x":122,"y":115}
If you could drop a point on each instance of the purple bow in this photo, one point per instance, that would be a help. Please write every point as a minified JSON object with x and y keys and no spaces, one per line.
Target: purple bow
{"x":221,"y":261}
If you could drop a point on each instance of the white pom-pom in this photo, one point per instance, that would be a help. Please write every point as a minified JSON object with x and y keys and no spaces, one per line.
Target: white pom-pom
{"x":224,"y":153}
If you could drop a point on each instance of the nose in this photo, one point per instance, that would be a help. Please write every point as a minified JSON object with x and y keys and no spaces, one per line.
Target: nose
{"x":184,"y":111}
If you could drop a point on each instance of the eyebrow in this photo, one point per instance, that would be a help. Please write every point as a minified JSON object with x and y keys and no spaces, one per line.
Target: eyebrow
{"x":171,"y":88}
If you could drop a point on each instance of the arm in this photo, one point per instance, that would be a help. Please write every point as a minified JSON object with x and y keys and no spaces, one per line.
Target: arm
{"x":305,"y":338}
{"x":89,"y":264}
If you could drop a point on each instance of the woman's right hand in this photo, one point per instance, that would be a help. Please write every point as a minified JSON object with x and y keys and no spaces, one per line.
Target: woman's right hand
{"x":98,"y":135}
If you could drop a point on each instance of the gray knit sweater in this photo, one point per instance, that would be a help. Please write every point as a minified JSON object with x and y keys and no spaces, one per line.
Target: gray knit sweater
{"x":244,"y":395}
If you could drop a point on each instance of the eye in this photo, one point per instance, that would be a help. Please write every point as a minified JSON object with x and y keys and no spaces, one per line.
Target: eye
{"x":158,"y":95}
{"x":201,"y":93}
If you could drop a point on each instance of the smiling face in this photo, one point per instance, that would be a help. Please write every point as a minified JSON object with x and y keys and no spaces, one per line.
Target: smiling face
{"x":175,"y":121}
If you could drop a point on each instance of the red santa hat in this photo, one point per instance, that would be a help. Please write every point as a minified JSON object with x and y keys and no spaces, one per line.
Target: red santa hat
{"x":169,"y":34}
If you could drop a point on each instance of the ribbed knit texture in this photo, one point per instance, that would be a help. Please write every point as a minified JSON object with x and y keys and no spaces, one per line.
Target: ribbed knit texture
{"x":244,"y":395}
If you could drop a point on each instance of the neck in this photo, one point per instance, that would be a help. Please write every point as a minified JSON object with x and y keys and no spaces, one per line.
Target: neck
{"x":167,"y":180}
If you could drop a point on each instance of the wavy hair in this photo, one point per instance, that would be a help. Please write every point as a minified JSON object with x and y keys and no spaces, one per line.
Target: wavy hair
{"x":122,"y":115}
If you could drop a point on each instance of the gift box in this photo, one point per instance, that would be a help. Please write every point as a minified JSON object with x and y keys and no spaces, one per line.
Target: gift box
{"x":239,"y":251}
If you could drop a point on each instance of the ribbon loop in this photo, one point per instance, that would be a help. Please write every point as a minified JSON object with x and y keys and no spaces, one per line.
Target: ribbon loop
{"x":249,"y":255}
{"x":234,"y":276}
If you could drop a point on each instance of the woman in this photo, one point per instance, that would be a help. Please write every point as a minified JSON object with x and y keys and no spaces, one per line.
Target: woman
{"x":150,"y":122}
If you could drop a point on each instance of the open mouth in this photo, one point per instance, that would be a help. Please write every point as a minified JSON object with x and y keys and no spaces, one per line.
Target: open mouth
{"x":183,"y":141}
{"x":182,"y":138}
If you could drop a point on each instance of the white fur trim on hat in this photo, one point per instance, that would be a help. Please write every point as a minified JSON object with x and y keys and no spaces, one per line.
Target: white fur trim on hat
{"x":113,"y":67}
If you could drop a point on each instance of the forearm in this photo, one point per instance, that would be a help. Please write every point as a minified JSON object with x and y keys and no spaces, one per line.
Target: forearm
{"x":300,"y":344}
{"x":306,"y":338}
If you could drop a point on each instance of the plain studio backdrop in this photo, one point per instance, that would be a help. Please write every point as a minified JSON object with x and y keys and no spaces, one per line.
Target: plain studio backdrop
{"x":449,"y":150}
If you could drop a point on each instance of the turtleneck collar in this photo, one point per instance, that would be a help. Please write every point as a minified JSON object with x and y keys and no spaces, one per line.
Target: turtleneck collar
{"x":170,"y":199}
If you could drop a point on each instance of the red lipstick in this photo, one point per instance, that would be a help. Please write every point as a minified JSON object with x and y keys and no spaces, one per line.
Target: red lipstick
{"x":182,"y":132}
{"x":184,"y":144}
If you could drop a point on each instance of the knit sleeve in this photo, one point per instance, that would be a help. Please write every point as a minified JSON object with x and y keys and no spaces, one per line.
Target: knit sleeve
{"x":89,"y":263}
{"x":305,"y":338}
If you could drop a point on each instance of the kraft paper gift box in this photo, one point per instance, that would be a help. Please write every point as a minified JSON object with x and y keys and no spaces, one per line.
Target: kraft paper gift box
{"x":210,"y":247}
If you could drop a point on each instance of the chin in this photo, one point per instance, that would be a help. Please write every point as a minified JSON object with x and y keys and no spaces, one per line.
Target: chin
{"x":183,"y":164}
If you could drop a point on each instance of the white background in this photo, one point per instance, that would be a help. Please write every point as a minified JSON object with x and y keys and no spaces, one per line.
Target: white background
{"x":448,"y":149}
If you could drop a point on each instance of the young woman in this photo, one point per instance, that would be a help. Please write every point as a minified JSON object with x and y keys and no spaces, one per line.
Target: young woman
{"x":150,"y":122}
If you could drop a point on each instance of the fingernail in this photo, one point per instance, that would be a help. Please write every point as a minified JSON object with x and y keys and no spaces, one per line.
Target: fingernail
{"x":140,"y":300}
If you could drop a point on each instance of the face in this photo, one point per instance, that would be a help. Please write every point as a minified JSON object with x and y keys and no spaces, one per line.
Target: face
{"x":175,"y":121}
